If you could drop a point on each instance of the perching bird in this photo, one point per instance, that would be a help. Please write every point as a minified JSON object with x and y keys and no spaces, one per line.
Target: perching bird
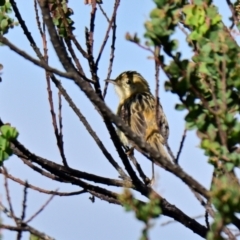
{"x":137,"y":109}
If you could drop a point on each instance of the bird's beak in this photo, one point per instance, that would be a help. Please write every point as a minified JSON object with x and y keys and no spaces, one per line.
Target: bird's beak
{"x":111,"y":81}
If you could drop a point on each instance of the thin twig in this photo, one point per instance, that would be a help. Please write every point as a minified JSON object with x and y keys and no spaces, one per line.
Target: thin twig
{"x":40,"y":209}
{"x":145,"y":179}
{"x":103,"y":12}
{"x":74,"y":56}
{"x":24,"y":207}
{"x":24,"y":202}
{"x":181,"y":146}
{"x":8,"y":193}
{"x":114,"y":26}
{"x":117,"y":2}
{"x":92,"y":25}
{"x":38,"y":18}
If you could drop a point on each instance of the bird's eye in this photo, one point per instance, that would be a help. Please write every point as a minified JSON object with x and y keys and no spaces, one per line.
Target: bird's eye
{"x":128,"y":82}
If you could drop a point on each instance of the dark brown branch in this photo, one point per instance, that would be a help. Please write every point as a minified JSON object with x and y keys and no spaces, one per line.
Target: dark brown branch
{"x":171,"y":211}
{"x":62,"y":177}
{"x":61,"y":194}
{"x":53,"y":167}
{"x":206,"y":215}
{"x":173,"y":221}
{"x":92,"y":25}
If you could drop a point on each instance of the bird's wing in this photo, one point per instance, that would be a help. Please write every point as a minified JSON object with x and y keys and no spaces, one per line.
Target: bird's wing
{"x":143,"y":117}
{"x":139,"y":113}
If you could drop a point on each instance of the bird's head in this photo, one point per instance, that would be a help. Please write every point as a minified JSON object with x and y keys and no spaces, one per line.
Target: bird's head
{"x":129,"y":83}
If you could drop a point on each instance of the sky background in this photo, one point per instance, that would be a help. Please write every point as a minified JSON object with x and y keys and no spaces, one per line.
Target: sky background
{"x":24,"y":104}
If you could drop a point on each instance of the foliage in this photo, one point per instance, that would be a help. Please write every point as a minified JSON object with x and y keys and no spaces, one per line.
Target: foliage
{"x":144,"y":212}
{"x":208,"y":87}
{"x":6,"y":22}
{"x":7,"y":134}
{"x":61,"y":17}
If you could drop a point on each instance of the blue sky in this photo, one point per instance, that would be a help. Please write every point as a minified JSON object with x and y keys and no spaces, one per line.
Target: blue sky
{"x":23,"y":92}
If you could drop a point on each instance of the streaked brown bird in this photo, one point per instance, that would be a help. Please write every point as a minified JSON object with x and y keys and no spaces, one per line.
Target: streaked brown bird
{"x":137,"y":109}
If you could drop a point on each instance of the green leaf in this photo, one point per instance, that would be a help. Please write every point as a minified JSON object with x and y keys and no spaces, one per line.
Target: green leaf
{"x":3,"y":156}
{"x":180,"y":107}
{"x":229,"y":166}
{"x":4,"y":23}
{"x":9,"y":132}
{"x":160,"y":3}
{"x":34,"y":237}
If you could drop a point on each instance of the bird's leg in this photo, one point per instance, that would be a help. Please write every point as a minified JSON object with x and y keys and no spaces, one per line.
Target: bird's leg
{"x":130,"y":151}
{"x":153,"y":175}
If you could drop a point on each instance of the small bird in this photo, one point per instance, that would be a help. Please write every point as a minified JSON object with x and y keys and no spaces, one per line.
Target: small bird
{"x":137,"y":109}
